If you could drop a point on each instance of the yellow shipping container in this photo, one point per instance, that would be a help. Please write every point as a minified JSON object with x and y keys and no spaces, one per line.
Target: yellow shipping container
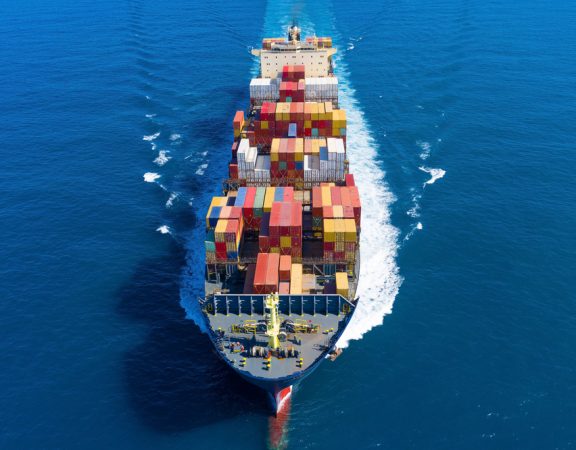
{"x":338,"y":211}
{"x":315,"y":115}
{"x":339,"y":229}
{"x":329,"y":235}
{"x":218,"y":201}
{"x":264,"y":124}
{"x":326,"y":196}
{"x":308,"y":110}
{"x":274,"y":150}
{"x":285,"y":241}
{"x":269,"y":198}
{"x":220,"y":230}
{"x":342,"y":284}
{"x":350,"y":227}
{"x":296,"y":279}
{"x":315,"y":147}
{"x":307,"y":124}
{"x":279,"y":111}
{"x":335,"y":132}
{"x":328,"y":108}
{"x":274,"y":249}
{"x":299,"y":150}
{"x":321,"y":112}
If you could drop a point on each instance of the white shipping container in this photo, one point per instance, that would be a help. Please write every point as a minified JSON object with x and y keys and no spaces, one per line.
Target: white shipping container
{"x":321,"y":89}
{"x":264,"y":89}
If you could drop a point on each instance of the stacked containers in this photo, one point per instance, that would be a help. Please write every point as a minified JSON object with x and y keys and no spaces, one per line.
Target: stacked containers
{"x":296,"y":279}
{"x":320,"y":42}
{"x":286,"y":229}
{"x":339,"y":122}
{"x":321,"y":89}
{"x":266,"y":275}
{"x":336,"y":156}
{"x":212,"y":217}
{"x":264,"y":90}
{"x":246,"y":159}
{"x":251,"y":200}
{"x":342,"y":287}
{"x":228,"y":234}
{"x":309,"y":119}
{"x":287,"y":158}
{"x":267,"y":43}
{"x":264,"y":234}
{"x":238,"y":123}
{"x":285,"y":267}
{"x":292,"y":91}
{"x":294,"y":73}
{"x":340,"y":239}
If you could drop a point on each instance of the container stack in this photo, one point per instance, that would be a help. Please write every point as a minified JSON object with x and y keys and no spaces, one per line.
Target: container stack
{"x":294,"y":73}
{"x":246,"y":156}
{"x":238,"y":123}
{"x":264,"y":90}
{"x":292,"y":91}
{"x":224,"y":227}
{"x":251,"y":202}
{"x":268,"y":42}
{"x":298,"y":119}
{"x":287,"y":158}
{"x":266,"y":275}
{"x":342,"y":287}
{"x":320,"y":42}
{"x":286,"y":229}
{"x":296,"y":279}
{"x":321,"y":89}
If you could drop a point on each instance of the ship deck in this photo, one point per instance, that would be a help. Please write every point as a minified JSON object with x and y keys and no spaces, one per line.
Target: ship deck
{"x":228,"y":316}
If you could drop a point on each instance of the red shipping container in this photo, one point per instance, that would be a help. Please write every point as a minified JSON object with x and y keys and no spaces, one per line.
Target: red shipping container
{"x":272,"y":273}
{"x":264,"y":244}
{"x":284,"y":288}
{"x":260,"y":273}
{"x":350,"y":180}
{"x":238,"y":119}
{"x":317,"y":201}
{"x":328,"y":246}
{"x":335,"y":195}
{"x":288,"y":194}
{"x":327,"y":212}
{"x":233,"y":171}
{"x":285,"y":266}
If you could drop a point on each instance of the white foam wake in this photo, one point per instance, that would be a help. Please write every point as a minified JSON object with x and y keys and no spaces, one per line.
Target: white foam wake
{"x":435,"y":174}
{"x":170,"y":201}
{"x":175,"y":137}
{"x":150,"y":137}
{"x":164,"y":229}
{"x":151,"y":177}
{"x":379,"y":280}
{"x":425,"y":147}
{"x":162,"y":157}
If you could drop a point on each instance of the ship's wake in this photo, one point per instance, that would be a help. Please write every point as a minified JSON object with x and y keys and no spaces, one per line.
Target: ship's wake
{"x":379,"y":280}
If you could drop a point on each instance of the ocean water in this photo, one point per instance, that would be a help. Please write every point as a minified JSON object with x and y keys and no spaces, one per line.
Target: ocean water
{"x":116,"y":127}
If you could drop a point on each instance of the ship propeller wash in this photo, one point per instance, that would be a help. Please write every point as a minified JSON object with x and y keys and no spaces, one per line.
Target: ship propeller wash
{"x":283,"y":241}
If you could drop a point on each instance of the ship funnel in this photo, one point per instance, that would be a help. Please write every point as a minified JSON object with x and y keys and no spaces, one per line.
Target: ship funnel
{"x":293,"y":33}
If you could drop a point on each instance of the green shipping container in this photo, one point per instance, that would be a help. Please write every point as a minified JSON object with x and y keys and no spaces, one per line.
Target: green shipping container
{"x":259,"y":201}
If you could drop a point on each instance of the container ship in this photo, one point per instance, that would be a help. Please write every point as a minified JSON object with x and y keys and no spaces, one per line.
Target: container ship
{"x":283,"y":241}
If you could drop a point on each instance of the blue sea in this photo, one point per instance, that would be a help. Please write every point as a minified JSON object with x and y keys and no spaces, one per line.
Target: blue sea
{"x":116,"y":129}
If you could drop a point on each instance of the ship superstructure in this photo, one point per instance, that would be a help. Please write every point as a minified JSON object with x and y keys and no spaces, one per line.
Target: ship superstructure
{"x":282,"y":242}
